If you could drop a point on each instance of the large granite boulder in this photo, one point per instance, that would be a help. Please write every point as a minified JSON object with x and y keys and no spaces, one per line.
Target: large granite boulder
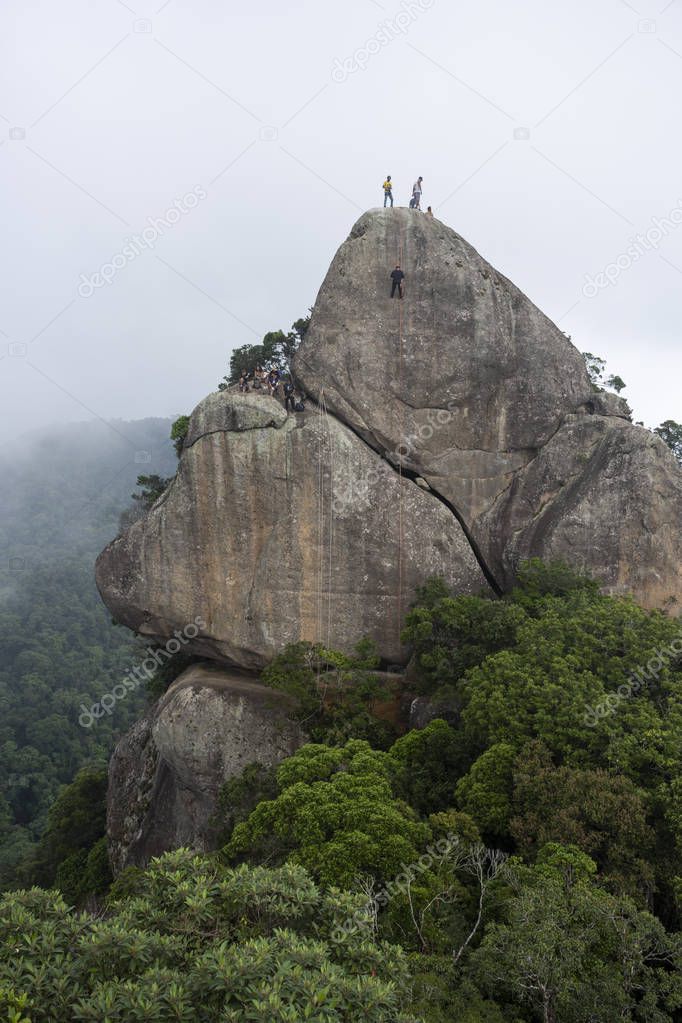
{"x":468,"y":386}
{"x":166,"y":772}
{"x":278,"y":529}
{"x":454,"y":433}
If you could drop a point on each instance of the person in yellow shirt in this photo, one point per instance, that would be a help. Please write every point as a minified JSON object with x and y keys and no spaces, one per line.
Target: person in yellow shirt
{"x":388,"y":190}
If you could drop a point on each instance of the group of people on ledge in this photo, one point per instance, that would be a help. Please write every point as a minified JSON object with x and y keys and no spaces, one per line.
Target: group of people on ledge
{"x":415,"y":201}
{"x":274,"y":383}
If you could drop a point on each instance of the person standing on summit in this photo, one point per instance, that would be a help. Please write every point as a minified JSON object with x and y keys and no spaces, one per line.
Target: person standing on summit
{"x":388,"y":190}
{"x":397,"y":276}
{"x":417,"y":193}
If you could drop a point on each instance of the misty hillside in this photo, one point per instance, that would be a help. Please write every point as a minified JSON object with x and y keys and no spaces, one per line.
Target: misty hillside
{"x":66,"y":486}
{"x":63,"y":492}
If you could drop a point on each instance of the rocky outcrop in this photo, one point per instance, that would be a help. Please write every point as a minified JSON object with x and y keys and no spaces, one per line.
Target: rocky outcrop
{"x":467,"y":385}
{"x":279,"y":529}
{"x":455,"y":433}
{"x":604,"y":495}
{"x":166,"y":772}
{"x":452,"y":433}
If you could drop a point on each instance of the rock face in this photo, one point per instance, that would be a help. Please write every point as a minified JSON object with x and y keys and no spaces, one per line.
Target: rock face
{"x":468,"y":385}
{"x":166,"y":772}
{"x":466,"y":353}
{"x":456,"y":432}
{"x":279,"y":529}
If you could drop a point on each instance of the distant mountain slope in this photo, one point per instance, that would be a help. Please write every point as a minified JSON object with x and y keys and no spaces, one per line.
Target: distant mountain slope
{"x":61,"y":496}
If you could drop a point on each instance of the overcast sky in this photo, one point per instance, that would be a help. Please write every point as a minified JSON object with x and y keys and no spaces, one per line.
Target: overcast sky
{"x":547,"y":135}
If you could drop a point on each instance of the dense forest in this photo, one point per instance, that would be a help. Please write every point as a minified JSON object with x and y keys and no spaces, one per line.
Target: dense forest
{"x":517,"y":858}
{"x":63,"y":492}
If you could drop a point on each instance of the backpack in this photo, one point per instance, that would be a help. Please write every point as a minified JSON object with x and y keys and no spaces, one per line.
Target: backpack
{"x":299,"y":406}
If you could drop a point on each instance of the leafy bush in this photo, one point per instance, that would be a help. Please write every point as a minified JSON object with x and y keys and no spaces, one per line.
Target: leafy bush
{"x":335,"y":694}
{"x":197,"y":942}
{"x":179,"y":432}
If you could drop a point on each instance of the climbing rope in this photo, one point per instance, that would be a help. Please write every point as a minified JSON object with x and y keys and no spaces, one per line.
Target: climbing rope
{"x":325,"y":518}
{"x":401,"y":253}
{"x":330,"y":543}
{"x":320,"y":532}
{"x":325,"y":523}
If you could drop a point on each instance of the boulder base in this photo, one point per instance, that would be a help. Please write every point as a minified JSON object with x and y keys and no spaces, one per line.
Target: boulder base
{"x":166,"y":772}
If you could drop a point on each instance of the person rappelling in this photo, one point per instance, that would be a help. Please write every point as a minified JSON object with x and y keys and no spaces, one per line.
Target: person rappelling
{"x":397,"y":276}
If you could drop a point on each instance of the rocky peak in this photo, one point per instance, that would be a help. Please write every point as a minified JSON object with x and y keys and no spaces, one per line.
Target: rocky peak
{"x":452,"y":433}
{"x":469,"y":386}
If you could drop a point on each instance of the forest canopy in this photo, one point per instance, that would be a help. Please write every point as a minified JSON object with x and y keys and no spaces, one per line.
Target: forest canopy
{"x":517,"y":858}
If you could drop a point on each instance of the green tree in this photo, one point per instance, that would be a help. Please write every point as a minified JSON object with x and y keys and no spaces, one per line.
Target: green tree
{"x":76,"y":823}
{"x":179,"y":432}
{"x":670,"y":433}
{"x":240,"y":796}
{"x":428,"y":762}
{"x":275,"y":351}
{"x":151,"y":489}
{"x":601,"y":813}
{"x":596,"y":369}
{"x":336,"y":815}
{"x":485,"y":792}
{"x":574,"y":954}
{"x":536,"y":579}
{"x":452,"y":634}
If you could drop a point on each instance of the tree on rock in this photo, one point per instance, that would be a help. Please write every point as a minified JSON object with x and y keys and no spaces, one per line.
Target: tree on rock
{"x":670,"y":433}
{"x":275,"y":351}
{"x":596,"y":368}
